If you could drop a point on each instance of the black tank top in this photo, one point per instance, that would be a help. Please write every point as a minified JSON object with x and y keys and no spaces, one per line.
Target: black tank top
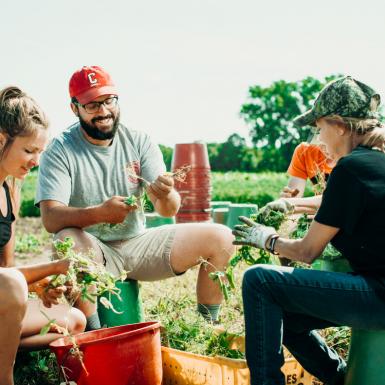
{"x":6,"y":222}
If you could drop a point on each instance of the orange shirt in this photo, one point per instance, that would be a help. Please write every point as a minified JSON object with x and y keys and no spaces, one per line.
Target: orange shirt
{"x":308,"y":161}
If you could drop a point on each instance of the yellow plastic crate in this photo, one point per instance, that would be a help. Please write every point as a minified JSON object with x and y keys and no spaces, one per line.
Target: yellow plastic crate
{"x":183,"y":368}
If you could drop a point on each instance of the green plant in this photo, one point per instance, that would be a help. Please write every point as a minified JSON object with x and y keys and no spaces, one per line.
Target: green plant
{"x":338,"y":338}
{"x":242,"y":187}
{"x":248,"y":254}
{"x":27,"y":243}
{"x":86,"y":277}
{"x":303,"y":224}
{"x":131,"y":200}
{"x":188,"y":331}
{"x":36,"y":368}
{"x":28,"y":189}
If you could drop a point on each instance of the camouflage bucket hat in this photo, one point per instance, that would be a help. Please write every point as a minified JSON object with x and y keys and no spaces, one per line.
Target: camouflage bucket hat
{"x":345,"y":97}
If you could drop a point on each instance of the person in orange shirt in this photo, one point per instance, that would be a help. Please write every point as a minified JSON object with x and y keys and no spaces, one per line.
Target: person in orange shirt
{"x":309,"y":161}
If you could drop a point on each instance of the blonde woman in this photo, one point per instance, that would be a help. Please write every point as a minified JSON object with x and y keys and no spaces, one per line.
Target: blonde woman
{"x":23,"y":136}
{"x":286,"y":306}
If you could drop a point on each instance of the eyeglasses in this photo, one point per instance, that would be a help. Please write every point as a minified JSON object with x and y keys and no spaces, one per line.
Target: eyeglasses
{"x":93,"y":107}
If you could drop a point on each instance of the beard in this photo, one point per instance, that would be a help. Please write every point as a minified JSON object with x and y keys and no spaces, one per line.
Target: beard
{"x":93,"y":132}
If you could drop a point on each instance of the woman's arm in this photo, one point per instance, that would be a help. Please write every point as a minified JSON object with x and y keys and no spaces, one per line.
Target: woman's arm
{"x":308,"y":205}
{"x":39,"y":271}
{"x":308,"y":248}
{"x":295,"y":188}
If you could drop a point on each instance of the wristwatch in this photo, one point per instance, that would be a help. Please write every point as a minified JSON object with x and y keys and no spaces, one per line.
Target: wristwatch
{"x":271,"y":247}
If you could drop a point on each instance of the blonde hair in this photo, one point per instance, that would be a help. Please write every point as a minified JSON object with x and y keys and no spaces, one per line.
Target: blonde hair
{"x":20,"y":115}
{"x":371,"y":132}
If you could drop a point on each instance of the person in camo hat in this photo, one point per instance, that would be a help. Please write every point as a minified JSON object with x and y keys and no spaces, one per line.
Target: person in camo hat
{"x":335,"y":93}
{"x":285,"y":305}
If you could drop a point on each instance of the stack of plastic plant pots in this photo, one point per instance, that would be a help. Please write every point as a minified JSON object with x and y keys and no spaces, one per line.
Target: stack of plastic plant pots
{"x":195,"y":190}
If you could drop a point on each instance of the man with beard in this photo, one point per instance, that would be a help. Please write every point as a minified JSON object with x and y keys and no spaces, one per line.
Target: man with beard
{"x":83,"y":183}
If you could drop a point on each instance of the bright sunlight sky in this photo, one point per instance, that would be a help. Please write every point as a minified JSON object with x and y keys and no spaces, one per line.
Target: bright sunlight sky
{"x":183,"y":68}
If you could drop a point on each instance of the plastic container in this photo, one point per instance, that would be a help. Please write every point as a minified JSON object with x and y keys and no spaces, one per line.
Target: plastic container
{"x":219,"y":204}
{"x":155,"y":220}
{"x":220,"y":215}
{"x":195,"y":190}
{"x":366,"y":360}
{"x":340,"y":265}
{"x":131,"y":306}
{"x":122,"y":355}
{"x":183,"y":368}
{"x":240,"y":209}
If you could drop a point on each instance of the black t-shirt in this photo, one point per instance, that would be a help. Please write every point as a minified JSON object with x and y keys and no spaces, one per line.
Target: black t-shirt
{"x":354,"y":201}
{"x":6,"y":221}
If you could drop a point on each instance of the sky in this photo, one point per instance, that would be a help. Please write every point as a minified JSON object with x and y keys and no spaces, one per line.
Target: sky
{"x":183,"y":68}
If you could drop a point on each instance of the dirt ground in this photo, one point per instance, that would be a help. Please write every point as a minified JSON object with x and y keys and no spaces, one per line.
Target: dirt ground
{"x":33,"y":226}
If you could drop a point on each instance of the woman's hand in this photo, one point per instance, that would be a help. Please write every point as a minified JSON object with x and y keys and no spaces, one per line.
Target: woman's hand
{"x":49,"y":296}
{"x":252,"y":233}
{"x":281,"y":204}
{"x":288,"y":192}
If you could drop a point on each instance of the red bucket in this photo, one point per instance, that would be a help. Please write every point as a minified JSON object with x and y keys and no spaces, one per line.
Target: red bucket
{"x":121,"y":355}
{"x":194,"y":154}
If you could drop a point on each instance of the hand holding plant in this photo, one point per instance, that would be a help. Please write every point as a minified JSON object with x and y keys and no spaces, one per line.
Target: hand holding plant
{"x":252,"y":233}
{"x":85,"y":277}
{"x":115,"y":209}
{"x":281,"y":205}
{"x":48,"y":295}
{"x":161,"y":187}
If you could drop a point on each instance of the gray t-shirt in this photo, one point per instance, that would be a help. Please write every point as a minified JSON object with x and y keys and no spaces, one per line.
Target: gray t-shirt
{"x":79,"y":174}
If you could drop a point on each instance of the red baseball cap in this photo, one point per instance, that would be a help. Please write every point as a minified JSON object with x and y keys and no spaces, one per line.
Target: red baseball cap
{"x":89,"y":83}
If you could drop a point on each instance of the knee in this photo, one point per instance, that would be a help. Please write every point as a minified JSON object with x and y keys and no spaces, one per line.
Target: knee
{"x":256,"y":276}
{"x":71,"y":232}
{"x":221,"y":239}
{"x":13,"y":293}
{"x":77,"y":321}
{"x":79,"y":237}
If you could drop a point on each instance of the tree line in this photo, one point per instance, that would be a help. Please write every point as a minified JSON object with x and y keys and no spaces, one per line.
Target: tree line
{"x":268,"y":111}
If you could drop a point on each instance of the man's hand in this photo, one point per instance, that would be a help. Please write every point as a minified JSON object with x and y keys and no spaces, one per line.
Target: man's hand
{"x":161,"y":187}
{"x":281,"y":204}
{"x":115,"y":210}
{"x":252,"y":233}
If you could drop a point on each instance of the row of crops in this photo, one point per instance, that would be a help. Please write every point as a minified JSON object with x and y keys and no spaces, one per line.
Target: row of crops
{"x":237,"y":187}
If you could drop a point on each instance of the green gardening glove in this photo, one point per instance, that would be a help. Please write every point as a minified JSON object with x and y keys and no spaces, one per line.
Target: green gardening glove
{"x":252,"y":233}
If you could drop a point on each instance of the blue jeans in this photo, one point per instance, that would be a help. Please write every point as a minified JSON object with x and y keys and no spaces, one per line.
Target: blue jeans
{"x":283,"y":305}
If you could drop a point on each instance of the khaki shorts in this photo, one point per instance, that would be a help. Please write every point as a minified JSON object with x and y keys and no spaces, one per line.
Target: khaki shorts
{"x":145,"y":257}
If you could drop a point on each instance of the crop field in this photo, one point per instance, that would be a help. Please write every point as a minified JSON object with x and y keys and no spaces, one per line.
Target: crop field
{"x":237,"y":187}
{"x":171,"y":301}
